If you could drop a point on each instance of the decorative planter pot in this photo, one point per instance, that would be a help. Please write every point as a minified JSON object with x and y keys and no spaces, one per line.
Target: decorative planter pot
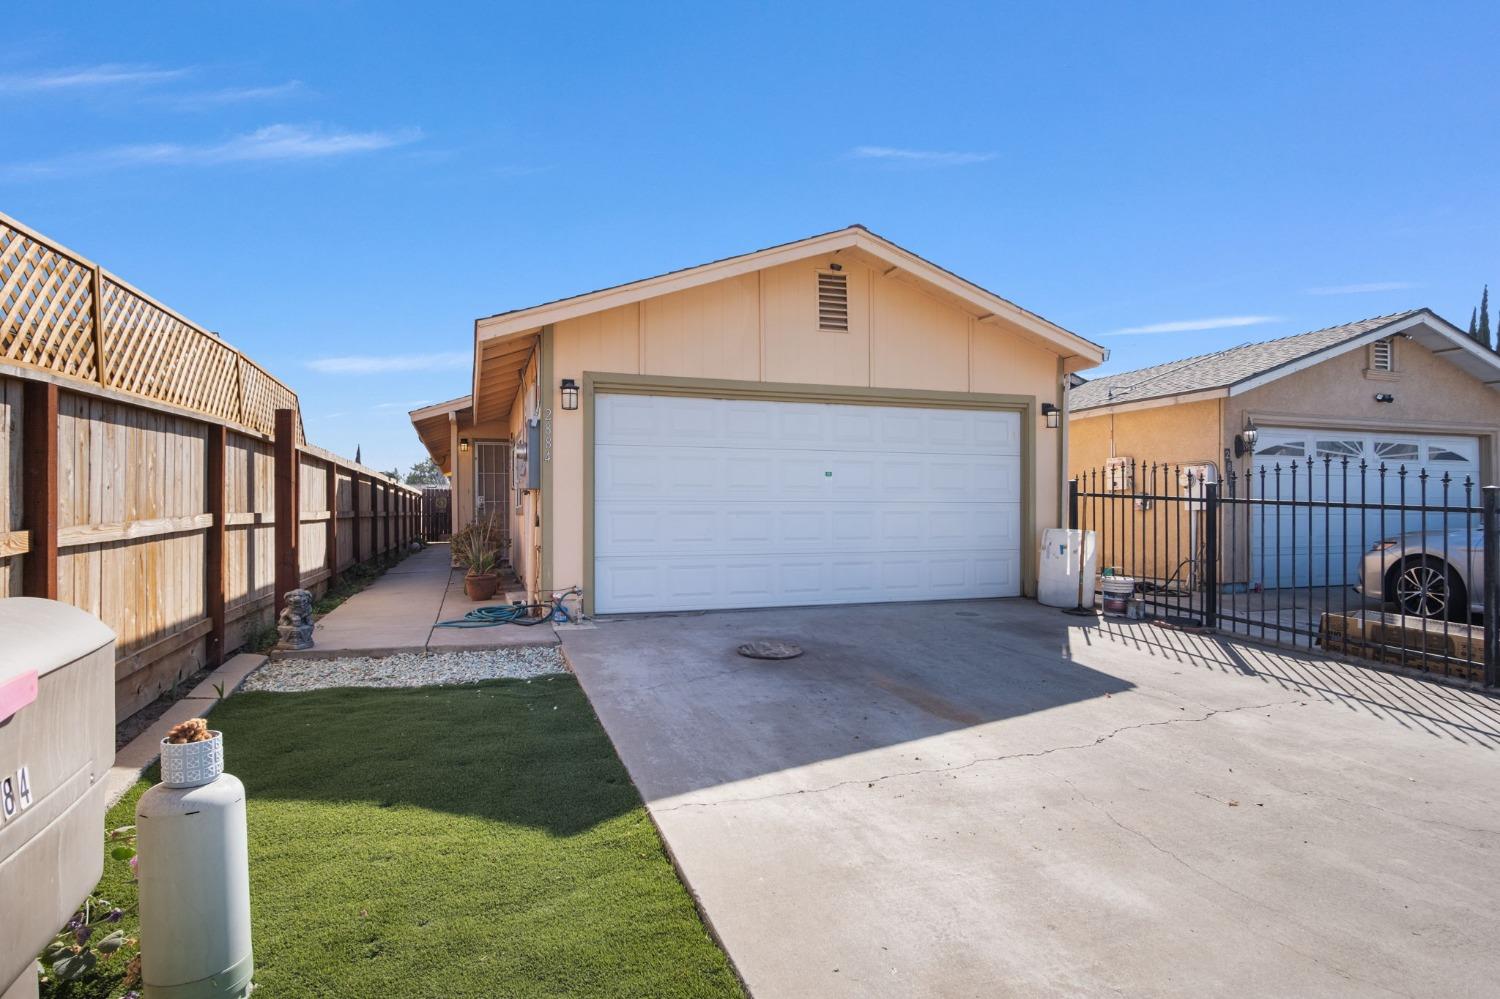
{"x":481,"y":587}
{"x":192,"y":764}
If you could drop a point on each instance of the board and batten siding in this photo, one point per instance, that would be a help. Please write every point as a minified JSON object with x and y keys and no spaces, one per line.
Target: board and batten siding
{"x":763,"y":327}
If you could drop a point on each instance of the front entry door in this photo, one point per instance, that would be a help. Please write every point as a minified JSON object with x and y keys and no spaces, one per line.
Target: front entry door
{"x":492,"y":483}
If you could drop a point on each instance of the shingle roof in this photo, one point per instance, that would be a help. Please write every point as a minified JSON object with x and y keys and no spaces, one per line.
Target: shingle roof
{"x":1220,"y":369}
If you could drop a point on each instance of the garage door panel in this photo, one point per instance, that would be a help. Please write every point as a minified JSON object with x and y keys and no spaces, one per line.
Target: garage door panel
{"x":739,"y":528}
{"x":711,"y":503}
{"x":1289,"y":548}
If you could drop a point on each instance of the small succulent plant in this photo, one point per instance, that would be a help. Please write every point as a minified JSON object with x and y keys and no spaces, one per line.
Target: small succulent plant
{"x":192,"y":730}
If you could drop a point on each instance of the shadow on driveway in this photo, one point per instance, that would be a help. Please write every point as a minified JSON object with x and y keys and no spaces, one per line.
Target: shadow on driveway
{"x":871,"y":676}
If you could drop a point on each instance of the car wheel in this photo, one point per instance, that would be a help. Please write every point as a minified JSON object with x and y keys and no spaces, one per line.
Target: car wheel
{"x":1428,"y":587}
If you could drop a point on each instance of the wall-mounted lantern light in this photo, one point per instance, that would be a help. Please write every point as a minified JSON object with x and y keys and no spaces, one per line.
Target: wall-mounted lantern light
{"x":463,"y":444}
{"x":569,"y":394}
{"x":1244,"y":441}
{"x":1051,"y":414}
{"x":1384,"y":397}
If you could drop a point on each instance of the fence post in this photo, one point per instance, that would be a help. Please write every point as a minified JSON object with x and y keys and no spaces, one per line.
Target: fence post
{"x":1072,"y":504}
{"x":1492,"y":586}
{"x":288,"y":568}
{"x":357,"y":555}
{"x":331,"y":491}
{"x":1211,"y":555}
{"x":380,"y":501}
{"x":39,"y":488}
{"x":214,"y":548}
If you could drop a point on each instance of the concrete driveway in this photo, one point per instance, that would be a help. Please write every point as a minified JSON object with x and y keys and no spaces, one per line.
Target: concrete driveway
{"x":990,"y":798}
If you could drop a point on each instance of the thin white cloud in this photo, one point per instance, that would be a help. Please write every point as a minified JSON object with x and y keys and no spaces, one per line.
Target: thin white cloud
{"x":378,"y":364}
{"x":87,"y":78}
{"x":234,"y":95}
{"x":1195,"y":325}
{"x":1362,"y":289}
{"x":272,"y":143}
{"x":919,"y":157}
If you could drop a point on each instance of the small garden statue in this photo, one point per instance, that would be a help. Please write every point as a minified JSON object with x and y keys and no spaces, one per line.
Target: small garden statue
{"x":295,"y":626}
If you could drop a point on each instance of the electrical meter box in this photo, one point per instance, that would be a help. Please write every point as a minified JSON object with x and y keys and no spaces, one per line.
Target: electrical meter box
{"x":57,"y":743}
{"x":526,"y":452}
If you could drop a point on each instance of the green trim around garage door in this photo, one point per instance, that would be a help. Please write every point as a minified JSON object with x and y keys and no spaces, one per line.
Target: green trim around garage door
{"x":544,"y":407}
{"x":596,"y":383}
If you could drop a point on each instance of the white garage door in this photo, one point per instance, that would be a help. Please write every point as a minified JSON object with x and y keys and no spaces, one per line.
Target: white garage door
{"x":1291,"y":548}
{"x":706,"y":503}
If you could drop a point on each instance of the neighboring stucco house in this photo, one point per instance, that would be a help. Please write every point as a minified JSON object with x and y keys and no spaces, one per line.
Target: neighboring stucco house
{"x":1408,"y":389}
{"x":830,"y":420}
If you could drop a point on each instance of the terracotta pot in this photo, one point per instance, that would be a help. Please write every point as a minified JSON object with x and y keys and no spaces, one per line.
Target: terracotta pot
{"x":481,"y":586}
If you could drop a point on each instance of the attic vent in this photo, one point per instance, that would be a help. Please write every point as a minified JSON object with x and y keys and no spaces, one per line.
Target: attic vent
{"x":1383,"y":356}
{"x":833,"y":302}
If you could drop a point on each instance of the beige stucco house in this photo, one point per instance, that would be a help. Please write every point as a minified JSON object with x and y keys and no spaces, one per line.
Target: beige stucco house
{"x":830,"y":420}
{"x":1404,"y":390}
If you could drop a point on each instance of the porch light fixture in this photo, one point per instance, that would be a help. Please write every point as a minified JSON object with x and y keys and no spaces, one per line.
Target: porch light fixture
{"x":1052,"y":415}
{"x":1384,"y":397}
{"x":463,"y":444}
{"x":1244,"y":441}
{"x":569,"y":394}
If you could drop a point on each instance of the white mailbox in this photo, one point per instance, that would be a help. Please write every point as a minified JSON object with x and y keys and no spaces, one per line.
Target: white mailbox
{"x":57,"y":743}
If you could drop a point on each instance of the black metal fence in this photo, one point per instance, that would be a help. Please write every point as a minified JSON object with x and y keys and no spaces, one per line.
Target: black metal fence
{"x":1390,"y":563}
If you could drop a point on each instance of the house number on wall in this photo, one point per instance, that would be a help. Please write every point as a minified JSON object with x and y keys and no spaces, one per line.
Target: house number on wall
{"x":547,"y":434}
{"x":15,"y":794}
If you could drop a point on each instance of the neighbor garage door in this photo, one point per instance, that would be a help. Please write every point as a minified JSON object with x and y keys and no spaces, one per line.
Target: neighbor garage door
{"x":708,"y":503}
{"x":1295,"y":546}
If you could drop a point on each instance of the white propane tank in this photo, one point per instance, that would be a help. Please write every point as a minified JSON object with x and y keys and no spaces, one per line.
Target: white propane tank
{"x":194,"y":873}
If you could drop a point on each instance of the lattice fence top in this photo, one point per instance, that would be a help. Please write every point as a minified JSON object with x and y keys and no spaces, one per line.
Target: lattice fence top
{"x":62,"y":314}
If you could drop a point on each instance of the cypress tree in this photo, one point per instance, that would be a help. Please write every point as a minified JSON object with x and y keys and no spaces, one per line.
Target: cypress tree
{"x":1484,"y":317}
{"x":1474,"y":323}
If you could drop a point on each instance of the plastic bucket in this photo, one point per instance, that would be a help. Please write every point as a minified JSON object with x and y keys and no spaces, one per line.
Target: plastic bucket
{"x":1115,"y":593}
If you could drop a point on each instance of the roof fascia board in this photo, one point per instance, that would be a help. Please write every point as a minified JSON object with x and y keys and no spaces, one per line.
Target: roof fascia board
{"x":1422,"y":318}
{"x":440,"y":408}
{"x":1156,"y":402}
{"x":628,"y":294}
{"x":991,"y":306}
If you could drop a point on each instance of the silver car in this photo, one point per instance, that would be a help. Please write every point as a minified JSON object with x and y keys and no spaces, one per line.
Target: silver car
{"x":1426,"y":575}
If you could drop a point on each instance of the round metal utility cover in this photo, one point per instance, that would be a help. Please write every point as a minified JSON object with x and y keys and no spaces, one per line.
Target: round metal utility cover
{"x":770,"y":649}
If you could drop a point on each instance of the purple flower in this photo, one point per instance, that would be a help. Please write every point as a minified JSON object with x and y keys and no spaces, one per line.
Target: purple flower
{"x":114,"y":915}
{"x":82,"y":934}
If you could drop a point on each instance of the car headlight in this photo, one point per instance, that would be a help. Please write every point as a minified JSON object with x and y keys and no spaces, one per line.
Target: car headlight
{"x":1381,"y":546}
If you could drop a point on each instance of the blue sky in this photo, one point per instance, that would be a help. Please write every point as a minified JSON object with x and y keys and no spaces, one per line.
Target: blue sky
{"x":341,"y":188}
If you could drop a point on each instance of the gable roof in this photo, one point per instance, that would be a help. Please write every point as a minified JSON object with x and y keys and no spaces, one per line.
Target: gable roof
{"x":1238,"y":369}
{"x":985,"y":303}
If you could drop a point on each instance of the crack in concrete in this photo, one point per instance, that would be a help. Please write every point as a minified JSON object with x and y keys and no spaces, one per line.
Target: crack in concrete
{"x":1035,"y":754}
{"x":1285,"y":914}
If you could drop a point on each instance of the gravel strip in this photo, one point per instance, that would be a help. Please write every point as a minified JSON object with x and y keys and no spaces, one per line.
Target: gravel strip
{"x":407,"y":669}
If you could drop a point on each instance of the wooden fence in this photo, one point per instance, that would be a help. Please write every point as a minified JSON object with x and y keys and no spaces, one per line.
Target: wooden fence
{"x":167,"y":490}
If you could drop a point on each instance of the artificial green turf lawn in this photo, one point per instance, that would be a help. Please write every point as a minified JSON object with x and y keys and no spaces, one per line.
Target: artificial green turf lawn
{"x":455,"y":841}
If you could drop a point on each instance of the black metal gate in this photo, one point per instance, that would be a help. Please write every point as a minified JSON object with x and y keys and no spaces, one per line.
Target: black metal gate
{"x":1386,"y":563}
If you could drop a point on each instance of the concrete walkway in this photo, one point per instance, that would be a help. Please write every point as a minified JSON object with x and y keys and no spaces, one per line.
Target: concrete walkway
{"x":400,"y":610}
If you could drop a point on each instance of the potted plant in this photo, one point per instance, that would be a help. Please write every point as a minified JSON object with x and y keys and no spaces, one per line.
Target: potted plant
{"x":477,"y":549}
{"x":192,"y":754}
